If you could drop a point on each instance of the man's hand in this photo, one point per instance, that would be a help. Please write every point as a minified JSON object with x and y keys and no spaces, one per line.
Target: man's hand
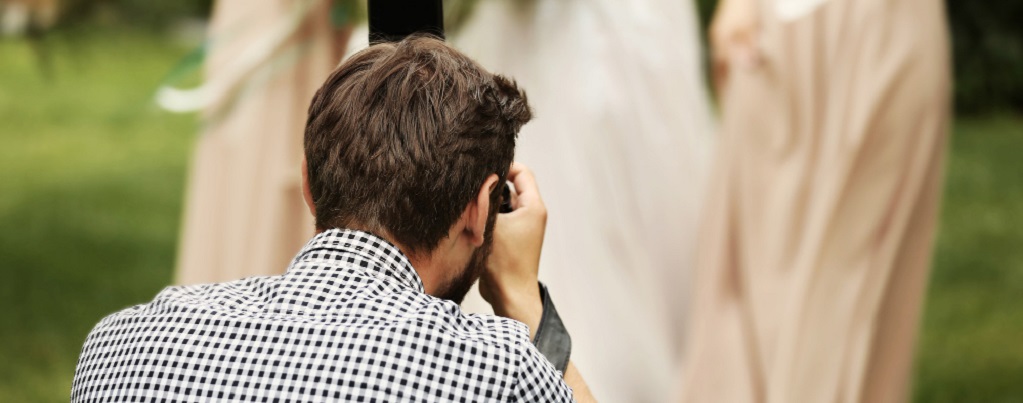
{"x":510,"y":282}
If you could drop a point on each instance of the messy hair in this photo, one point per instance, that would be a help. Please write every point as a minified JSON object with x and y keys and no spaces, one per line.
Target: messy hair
{"x":401,"y":137}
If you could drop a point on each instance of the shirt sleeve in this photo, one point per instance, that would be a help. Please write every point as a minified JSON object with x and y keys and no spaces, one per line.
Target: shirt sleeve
{"x":537,"y":380}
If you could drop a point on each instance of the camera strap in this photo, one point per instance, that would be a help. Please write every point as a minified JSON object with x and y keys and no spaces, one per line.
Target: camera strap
{"x":552,"y":338}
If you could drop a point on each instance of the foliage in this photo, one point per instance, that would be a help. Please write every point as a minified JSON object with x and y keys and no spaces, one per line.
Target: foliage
{"x":988,"y":45}
{"x":151,"y":14}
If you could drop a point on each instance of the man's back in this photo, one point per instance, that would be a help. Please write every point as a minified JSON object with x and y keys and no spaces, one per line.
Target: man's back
{"x":349,"y":321}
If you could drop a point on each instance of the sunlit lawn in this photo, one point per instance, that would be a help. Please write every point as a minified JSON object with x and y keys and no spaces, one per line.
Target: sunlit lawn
{"x":91,"y":176}
{"x":972,"y":344}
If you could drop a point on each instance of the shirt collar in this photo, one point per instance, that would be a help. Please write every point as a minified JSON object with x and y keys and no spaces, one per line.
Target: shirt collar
{"x":353,"y":247}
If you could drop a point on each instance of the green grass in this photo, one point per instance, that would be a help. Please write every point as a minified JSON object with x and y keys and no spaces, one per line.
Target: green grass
{"x":91,"y":179}
{"x":971,"y":348}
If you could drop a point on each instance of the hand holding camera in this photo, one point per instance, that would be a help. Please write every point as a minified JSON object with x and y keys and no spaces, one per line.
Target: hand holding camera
{"x":509,"y":283}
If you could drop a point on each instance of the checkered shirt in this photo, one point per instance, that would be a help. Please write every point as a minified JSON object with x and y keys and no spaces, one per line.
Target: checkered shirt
{"x":348,"y":321}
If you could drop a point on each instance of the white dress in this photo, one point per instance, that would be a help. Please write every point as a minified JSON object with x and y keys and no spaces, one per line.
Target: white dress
{"x":620,"y":145}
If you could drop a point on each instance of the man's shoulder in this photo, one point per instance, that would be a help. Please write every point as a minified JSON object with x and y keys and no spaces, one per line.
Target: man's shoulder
{"x":412,"y":350}
{"x":447,"y":319}
{"x":237,"y":294}
{"x":233,"y":299}
{"x":251,"y":300}
{"x":534,"y":378}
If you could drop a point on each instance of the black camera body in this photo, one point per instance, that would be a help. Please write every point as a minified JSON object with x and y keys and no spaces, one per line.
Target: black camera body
{"x":393,"y":20}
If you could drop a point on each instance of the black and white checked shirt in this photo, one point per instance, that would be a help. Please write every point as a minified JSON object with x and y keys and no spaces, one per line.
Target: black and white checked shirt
{"x":349,"y":321}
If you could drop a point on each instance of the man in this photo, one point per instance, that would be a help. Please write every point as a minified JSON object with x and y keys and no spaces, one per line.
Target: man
{"x":407,"y":148}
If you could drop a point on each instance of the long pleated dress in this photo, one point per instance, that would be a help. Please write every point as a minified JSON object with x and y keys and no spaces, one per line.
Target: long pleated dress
{"x":244,"y":212}
{"x":817,"y":239}
{"x":620,"y":145}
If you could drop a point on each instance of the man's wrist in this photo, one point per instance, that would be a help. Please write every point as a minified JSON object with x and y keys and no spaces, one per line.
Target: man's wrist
{"x":523,"y":305}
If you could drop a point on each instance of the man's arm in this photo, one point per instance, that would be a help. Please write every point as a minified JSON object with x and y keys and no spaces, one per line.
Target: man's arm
{"x":510,"y":281}
{"x":580,"y":391}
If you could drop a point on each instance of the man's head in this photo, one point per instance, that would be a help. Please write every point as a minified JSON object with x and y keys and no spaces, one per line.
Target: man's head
{"x":412,"y":141}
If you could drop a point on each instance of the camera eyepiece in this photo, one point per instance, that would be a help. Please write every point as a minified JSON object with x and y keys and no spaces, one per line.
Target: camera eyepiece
{"x":506,"y":206}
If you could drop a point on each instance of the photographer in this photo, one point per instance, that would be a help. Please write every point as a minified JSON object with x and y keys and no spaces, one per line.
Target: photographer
{"x":407,"y":149}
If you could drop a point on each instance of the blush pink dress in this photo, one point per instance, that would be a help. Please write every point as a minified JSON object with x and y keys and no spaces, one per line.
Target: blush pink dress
{"x":816,"y":245}
{"x":244,"y":212}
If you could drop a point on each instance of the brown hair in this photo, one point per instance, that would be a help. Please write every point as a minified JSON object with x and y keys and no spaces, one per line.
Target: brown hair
{"x":402,"y":135}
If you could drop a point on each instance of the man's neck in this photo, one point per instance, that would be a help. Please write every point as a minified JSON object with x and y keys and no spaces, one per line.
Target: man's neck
{"x":423,"y":263}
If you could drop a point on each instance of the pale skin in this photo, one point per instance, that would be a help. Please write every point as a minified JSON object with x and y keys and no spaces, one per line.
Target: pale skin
{"x":510,"y":282}
{"x":733,"y":36}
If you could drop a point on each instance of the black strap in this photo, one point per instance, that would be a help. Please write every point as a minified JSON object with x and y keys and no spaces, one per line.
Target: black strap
{"x":552,"y":338}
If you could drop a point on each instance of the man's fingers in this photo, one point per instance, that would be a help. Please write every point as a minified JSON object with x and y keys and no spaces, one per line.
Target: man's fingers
{"x":513,"y":198}
{"x":525,"y":185}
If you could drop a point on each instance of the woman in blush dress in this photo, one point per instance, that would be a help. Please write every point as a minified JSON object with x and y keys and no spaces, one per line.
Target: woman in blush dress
{"x":620,"y":145}
{"x":244,"y":214}
{"x":821,"y":214}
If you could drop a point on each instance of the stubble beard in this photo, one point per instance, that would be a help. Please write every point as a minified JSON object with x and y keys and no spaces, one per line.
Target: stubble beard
{"x":459,"y":287}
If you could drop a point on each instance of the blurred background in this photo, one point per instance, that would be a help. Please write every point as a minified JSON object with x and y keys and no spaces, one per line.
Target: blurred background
{"x":92,"y":174}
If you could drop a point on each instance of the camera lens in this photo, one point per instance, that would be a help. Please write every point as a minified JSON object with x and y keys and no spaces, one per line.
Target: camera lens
{"x":506,"y":206}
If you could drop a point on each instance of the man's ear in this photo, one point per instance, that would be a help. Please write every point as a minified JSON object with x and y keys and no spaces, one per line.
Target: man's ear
{"x":478,"y":210}
{"x":306,"y":193}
